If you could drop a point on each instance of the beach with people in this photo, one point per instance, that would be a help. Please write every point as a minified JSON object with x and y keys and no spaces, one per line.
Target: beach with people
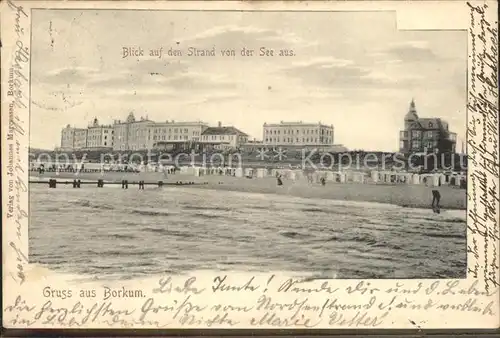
{"x":404,"y":195}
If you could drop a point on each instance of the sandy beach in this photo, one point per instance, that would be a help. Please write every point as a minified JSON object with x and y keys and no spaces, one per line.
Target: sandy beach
{"x":415,"y":196}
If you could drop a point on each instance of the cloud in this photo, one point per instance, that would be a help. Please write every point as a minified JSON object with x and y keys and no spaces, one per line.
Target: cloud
{"x":151,"y":79}
{"x":251,"y":37}
{"x":290,"y":39}
{"x":361,"y":73}
{"x":228,"y":30}
{"x":324,"y":62}
{"x":405,"y":52}
{"x":75,"y":75}
{"x":327,"y":73}
{"x":215,"y":98}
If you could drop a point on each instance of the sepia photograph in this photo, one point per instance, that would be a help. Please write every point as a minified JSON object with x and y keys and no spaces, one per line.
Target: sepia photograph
{"x":333,"y":149}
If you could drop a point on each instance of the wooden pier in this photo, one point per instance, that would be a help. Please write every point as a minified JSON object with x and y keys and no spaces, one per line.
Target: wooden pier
{"x":52,"y":183}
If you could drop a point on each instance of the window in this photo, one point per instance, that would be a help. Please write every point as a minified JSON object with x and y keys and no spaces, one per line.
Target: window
{"x":430,"y":134}
{"x":401,"y":145}
{"x":416,"y":134}
{"x":430,"y":125}
{"x":415,"y":144}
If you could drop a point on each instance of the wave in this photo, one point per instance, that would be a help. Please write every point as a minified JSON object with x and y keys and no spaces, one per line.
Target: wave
{"x":258,"y":207}
{"x":451,"y":236}
{"x":143,"y":212}
{"x":175,"y":233}
{"x":89,"y":204}
{"x":180,"y":234}
{"x":445,"y":220}
{"x":194,"y":207}
{"x":208,"y":216}
{"x":279,"y":197}
{"x":333,"y":238}
{"x":112,"y":253}
{"x":293,"y":234}
{"x":118,"y":236}
{"x":365,"y":238}
{"x":387,"y":246}
{"x":52,"y":209}
{"x":328,"y":211}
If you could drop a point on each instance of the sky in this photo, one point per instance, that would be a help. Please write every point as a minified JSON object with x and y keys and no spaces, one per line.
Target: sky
{"x":354,"y":70}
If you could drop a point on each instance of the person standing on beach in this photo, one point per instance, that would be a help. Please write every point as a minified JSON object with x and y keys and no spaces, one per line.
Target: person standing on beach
{"x":436,"y":197}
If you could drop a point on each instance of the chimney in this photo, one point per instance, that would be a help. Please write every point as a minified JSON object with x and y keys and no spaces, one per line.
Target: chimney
{"x":219,"y":124}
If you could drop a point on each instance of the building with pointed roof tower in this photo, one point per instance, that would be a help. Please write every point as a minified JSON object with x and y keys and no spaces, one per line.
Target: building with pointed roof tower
{"x":424,"y":135}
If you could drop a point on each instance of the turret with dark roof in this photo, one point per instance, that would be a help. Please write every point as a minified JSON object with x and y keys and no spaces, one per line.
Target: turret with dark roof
{"x":425,"y":133}
{"x":411,"y":116}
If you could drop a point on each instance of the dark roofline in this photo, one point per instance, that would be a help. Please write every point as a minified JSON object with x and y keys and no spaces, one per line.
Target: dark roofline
{"x":229,"y":130}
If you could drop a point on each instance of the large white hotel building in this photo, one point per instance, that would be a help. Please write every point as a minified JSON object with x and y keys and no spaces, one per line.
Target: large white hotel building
{"x":130,"y":134}
{"x":142,"y":133}
{"x":297,"y":134}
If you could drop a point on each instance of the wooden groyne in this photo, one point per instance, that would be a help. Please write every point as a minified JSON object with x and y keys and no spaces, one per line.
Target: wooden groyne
{"x":52,"y":183}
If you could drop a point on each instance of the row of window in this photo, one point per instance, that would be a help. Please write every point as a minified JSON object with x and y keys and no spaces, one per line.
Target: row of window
{"x":163,"y":137}
{"x":304,"y":131}
{"x":418,"y":134}
{"x":220,"y":137}
{"x":180,"y":130}
{"x":143,"y":132}
{"x":97,"y":137}
{"x":417,"y":145}
{"x":96,"y":144}
{"x":297,"y":140}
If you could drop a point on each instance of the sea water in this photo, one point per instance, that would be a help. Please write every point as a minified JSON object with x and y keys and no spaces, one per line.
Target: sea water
{"x":130,"y":233}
